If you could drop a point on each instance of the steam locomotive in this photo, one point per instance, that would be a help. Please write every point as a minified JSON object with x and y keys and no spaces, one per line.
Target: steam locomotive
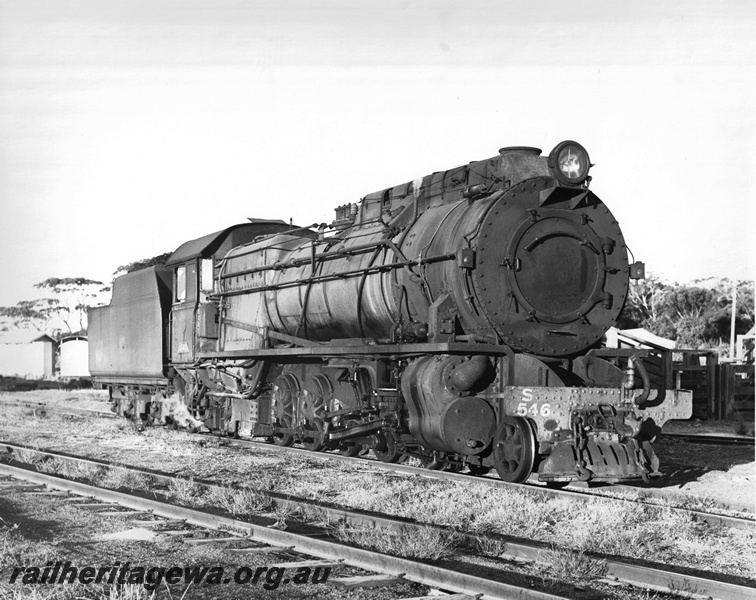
{"x":456,"y":318}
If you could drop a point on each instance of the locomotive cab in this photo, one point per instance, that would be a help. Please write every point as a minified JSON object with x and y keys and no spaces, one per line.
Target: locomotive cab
{"x":194,"y":311}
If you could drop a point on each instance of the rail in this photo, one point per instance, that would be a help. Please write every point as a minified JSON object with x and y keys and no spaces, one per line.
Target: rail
{"x":410,"y":570}
{"x":656,"y":577}
{"x":575,"y":490}
{"x":703,"y":438}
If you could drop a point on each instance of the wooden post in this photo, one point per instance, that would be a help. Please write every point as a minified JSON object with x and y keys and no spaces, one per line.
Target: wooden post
{"x":732,"y":319}
{"x":712,"y":359}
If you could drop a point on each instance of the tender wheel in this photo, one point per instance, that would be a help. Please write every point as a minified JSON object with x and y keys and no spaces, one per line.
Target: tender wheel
{"x":386,"y":452}
{"x":285,"y":391}
{"x":514,"y":449}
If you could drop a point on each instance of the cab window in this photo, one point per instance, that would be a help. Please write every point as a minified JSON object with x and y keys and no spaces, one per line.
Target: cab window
{"x":206,"y":275}
{"x":180,"y":284}
{"x":185,"y":283}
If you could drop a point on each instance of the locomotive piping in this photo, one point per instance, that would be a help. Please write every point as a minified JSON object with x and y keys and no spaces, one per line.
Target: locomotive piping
{"x":369,"y":270}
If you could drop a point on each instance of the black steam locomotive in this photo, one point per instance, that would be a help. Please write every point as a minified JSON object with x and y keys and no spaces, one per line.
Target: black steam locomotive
{"x":456,"y":318}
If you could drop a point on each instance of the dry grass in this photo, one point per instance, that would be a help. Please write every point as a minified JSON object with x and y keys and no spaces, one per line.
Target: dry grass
{"x":243,"y":501}
{"x":186,"y":491}
{"x":566,"y":565}
{"x":110,"y":477}
{"x":72,"y":469}
{"x":28,"y":456}
{"x":15,"y":551}
{"x":122,"y":478}
{"x":318,"y":516}
{"x":485,"y":544}
{"x":60,"y":592}
{"x":601,"y":526}
{"x":236,"y":501}
{"x":129,"y":592}
{"x":424,"y":543}
{"x":77,"y":591}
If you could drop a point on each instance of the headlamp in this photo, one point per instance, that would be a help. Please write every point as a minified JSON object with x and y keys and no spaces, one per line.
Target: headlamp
{"x":570,"y":163}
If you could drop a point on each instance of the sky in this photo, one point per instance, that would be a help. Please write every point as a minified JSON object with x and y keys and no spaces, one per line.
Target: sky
{"x":129,"y":127}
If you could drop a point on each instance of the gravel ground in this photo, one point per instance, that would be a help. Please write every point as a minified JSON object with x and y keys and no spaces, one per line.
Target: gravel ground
{"x":45,"y":530}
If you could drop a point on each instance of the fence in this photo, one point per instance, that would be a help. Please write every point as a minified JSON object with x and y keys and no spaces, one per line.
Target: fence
{"x":696,"y":370}
{"x":720,"y":391}
{"x":684,"y":369}
{"x":736,"y":392}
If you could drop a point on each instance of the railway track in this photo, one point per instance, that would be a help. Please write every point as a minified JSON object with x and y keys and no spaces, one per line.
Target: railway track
{"x":41,"y":409}
{"x":577,"y":491}
{"x":704,"y":438}
{"x":270,"y":539}
{"x":651,"y":577}
{"x":639,"y":495}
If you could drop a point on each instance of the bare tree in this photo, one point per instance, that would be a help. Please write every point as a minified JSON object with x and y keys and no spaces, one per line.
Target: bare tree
{"x":67,"y":309}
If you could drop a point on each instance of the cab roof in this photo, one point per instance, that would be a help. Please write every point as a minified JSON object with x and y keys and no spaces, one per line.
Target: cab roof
{"x":225,"y":239}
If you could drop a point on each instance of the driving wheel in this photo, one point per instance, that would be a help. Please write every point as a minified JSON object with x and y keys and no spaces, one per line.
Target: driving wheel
{"x":285,"y":390}
{"x":315,"y":398}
